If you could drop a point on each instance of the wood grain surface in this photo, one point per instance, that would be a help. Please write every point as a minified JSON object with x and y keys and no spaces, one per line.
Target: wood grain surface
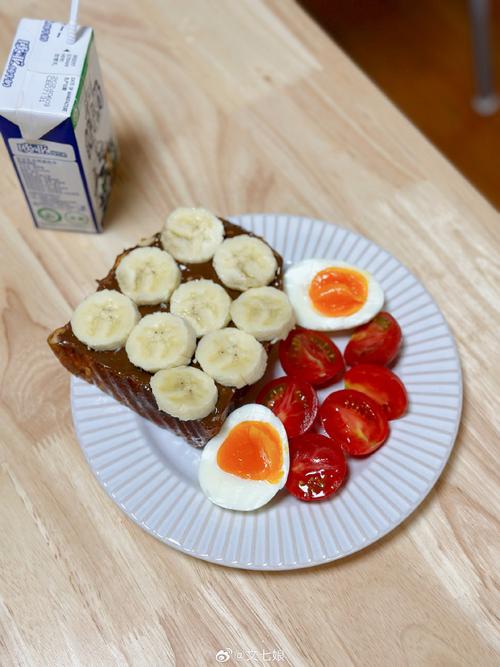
{"x":421,"y":55}
{"x":241,"y":105}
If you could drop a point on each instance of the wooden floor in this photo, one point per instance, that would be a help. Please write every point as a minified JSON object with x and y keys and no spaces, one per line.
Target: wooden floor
{"x":419,"y":54}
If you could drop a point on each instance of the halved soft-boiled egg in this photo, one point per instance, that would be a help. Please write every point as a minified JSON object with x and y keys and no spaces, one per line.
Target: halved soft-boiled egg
{"x":329,"y":295}
{"x":247,"y":462}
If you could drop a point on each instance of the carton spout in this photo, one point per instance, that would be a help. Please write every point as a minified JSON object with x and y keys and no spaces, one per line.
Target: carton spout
{"x":73,"y":21}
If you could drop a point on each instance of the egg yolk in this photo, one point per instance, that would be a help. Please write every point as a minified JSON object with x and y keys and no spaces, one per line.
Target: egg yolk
{"x":252,"y":450}
{"x":338,"y":291}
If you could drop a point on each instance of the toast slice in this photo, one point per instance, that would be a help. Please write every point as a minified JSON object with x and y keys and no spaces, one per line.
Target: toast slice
{"x":112,"y":371}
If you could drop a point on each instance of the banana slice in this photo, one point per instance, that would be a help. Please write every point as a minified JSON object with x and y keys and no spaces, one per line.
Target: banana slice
{"x":203,"y":303}
{"x":148,"y":275}
{"x":184,"y":392}
{"x":104,"y":320}
{"x":192,"y":235}
{"x":232,"y":357}
{"x":243,"y":261}
{"x":161,"y":340}
{"x":264,"y":312}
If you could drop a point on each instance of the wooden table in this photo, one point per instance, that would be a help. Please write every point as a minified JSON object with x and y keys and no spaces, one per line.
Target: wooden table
{"x":241,"y":105}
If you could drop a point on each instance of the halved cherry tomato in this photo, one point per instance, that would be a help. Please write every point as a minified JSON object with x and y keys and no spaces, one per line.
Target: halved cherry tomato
{"x":377,"y":342}
{"x":294,"y":401}
{"x":355,"y":420}
{"x":382,"y":385}
{"x":317,"y":467}
{"x":311,"y":356}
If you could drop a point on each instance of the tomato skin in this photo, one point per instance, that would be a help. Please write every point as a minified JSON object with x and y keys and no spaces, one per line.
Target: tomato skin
{"x":311,"y":356}
{"x":317,"y":467}
{"x":382,"y":385}
{"x":293,"y":400}
{"x":355,"y":420}
{"x":377,"y":342}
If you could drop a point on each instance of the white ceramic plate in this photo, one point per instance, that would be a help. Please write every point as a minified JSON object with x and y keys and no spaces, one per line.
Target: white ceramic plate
{"x":152,"y":474}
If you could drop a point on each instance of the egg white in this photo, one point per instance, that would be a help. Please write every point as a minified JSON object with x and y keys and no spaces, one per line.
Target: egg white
{"x":297,"y":281}
{"x":228,"y":490}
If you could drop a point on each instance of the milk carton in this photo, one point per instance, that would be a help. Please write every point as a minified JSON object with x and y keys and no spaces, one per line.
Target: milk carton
{"x":56,"y":125}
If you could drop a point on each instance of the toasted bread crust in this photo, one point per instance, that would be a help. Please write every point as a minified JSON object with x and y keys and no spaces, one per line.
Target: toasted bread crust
{"x":113,"y":373}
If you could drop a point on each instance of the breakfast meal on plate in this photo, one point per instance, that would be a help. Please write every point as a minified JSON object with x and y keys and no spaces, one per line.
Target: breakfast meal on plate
{"x":181,"y":331}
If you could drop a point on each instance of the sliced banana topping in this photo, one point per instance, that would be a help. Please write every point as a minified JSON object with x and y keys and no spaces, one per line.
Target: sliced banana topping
{"x":192,"y":235}
{"x":148,"y":275}
{"x":232,"y":357}
{"x":161,"y":340}
{"x":264,"y":312}
{"x":244,"y":261}
{"x":184,"y":392}
{"x":104,"y":320}
{"x":203,"y":303}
